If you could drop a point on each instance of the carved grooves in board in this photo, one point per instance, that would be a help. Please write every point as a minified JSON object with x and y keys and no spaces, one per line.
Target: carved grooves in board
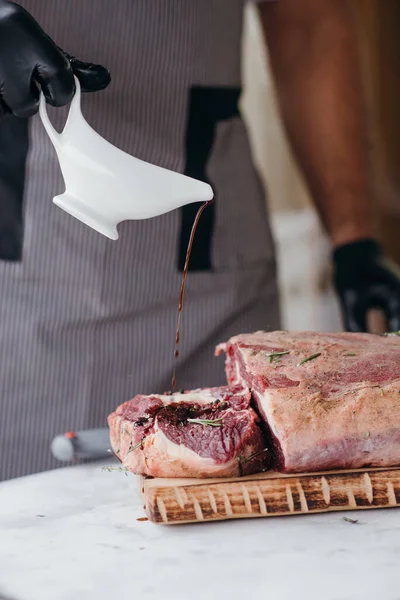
{"x":246,"y":499}
{"x":391,"y":495}
{"x":271,"y":497}
{"x":213,"y":502}
{"x":303,"y":499}
{"x":351,"y":499}
{"x":326,"y":492}
{"x":369,"y":490}
{"x":289,"y":497}
{"x":181,"y":497}
{"x":261,"y":501}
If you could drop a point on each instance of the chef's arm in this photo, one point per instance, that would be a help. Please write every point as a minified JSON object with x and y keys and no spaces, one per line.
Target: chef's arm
{"x":313,"y":54}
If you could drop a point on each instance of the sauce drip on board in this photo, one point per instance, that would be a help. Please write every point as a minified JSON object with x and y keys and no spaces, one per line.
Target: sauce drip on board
{"x":183,"y":285}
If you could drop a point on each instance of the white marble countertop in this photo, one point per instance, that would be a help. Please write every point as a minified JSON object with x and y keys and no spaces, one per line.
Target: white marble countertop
{"x":73,"y":534}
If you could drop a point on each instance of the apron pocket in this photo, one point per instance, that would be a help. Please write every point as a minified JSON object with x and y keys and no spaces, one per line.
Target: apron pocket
{"x":207,"y":107}
{"x":14,"y":143}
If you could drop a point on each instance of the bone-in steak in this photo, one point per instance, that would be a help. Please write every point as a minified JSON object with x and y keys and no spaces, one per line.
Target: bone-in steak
{"x":329,"y":401}
{"x":203,"y":433}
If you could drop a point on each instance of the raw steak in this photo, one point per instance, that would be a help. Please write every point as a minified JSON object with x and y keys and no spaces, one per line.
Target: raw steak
{"x":330,"y":401}
{"x":161,"y":435}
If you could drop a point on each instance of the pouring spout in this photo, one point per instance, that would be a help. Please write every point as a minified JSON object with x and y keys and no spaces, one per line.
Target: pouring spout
{"x":162,"y":190}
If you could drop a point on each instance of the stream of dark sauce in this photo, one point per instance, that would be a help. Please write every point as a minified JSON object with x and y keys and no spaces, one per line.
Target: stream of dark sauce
{"x":183,"y":285}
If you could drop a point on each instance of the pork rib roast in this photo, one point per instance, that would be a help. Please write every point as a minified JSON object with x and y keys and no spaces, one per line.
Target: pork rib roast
{"x":328,"y":401}
{"x":203,"y":433}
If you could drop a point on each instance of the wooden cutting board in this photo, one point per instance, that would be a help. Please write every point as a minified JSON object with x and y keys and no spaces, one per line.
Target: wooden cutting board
{"x":174,"y":501}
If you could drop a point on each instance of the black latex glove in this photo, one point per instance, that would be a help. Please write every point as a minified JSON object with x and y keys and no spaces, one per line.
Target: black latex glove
{"x":30,"y":61}
{"x":365,"y":280}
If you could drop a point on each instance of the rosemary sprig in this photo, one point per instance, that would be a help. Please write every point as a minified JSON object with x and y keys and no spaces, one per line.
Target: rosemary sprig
{"x":110,"y":468}
{"x":305,"y":360}
{"x":348,"y":520}
{"x":132,"y":448}
{"x":204,"y":422}
{"x":247,"y":459}
{"x":273,"y":355}
{"x":350,"y":354}
{"x":242,"y":460}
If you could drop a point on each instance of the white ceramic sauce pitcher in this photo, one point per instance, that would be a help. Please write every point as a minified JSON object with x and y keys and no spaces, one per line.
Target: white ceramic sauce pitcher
{"x":104,"y":185}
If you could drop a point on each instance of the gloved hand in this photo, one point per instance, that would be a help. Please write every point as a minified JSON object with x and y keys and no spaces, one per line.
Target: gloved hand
{"x":365,"y":280}
{"x":29,"y":59}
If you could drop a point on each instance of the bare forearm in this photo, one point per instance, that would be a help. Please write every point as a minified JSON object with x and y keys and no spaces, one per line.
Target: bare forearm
{"x":313,"y":53}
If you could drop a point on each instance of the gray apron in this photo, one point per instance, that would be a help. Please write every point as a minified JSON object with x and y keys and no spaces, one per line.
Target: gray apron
{"x":85,"y":322}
